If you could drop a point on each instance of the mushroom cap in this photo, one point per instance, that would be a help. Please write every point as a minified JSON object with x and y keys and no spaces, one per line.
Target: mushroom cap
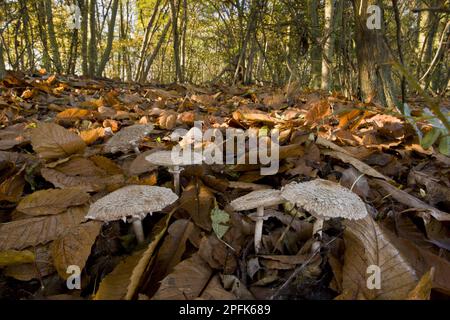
{"x":170,"y":159}
{"x":325,"y":199}
{"x":123,"y":140}
{"x":258,"y":198}
{"x":134,"y":200}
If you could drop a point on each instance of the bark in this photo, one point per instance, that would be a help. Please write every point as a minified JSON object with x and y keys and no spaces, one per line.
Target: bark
{"x":52,"y":36}
{"x":174,"y":8}
{"x":375,"y":74}
{"x":92,"y":51}
{"x":328,"y":47}
{"x":2,"y":62}
{"x":109,"y":41}
{"x":316,"y":52}
{"x":39,"y":7}
{"x":83,"y":4}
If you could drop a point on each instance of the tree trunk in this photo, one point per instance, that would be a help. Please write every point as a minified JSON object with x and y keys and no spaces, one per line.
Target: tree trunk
{"x":375,"y":76}
{"x":155,"y":52}
{"x":316,"y":52}
{"x":174,"y":8}
{"x":83,"y":4}
{"x":92,"y":51}
{"x":39,"y":7}
{"x":328,"y":48}
{"x":2,"y":63}
{"x":52,"y":36}
{"x":107,"y":52}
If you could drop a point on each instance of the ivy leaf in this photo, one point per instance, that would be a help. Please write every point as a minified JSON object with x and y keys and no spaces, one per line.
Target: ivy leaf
{"x":219,"y":220}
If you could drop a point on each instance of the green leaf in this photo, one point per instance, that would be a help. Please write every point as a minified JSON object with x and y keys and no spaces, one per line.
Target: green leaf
{"x":444,"y":146}
{"x":430,"y":138}
{"x":219,"y":220}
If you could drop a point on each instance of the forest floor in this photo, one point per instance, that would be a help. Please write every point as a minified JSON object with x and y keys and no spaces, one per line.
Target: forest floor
{"x":53,"y":135}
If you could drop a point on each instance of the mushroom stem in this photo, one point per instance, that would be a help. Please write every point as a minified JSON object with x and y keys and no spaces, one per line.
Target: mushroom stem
{"x":176,"y":178}
{"x":135,"y":147}
{"x":138,"y":230}
{"x":258,"y":228}
{"x":317,"y":227}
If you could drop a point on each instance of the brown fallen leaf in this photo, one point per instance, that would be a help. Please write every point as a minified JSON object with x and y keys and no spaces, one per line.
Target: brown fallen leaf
{"x":187,"y":281}
{"x":215,"y":291}
{"x":74,"y":246}
{"x":170,"y":253}
{"x":74,"y":114}
{"x":89,"y":184}
{"x":39,"y":269}
{"x":124,"y":281}
{"x":12,"y":257}
{"x":317,"y":112}
{"x":12,"y":188}
{"x":51,"y":141}
{"x":366,"y":245}
{"x":411,"y":201}
{"x":361,"y":166}
{"x":198,"y":201}
{"x":52,"y":201}
{"x":40,"y":230}
{"x":423,"y":289}
{"x":92,"y":135}
{"x":13,"y":135}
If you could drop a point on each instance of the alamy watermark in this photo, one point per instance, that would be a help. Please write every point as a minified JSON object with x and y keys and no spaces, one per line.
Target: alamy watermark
{"x":237,"y":147}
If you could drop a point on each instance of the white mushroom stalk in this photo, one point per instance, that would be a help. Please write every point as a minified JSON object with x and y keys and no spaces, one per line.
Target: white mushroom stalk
{"x":325,"y":200}
{"x":174,"y":164}
{"x":258,"y":200}
{"x":135,"y":201}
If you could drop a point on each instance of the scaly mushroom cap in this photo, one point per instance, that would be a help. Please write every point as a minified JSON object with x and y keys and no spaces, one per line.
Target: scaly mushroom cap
{"x":258,"y":198}
{"x":167,"y":159}
{"x":325,"y":199}
{"x":124,"y":140}
{"x":134,"y":200}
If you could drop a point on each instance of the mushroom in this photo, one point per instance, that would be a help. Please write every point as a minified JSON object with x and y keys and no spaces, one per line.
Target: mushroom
{"x":258,"y":200}
{"x":174,"y":163}
{"x":128,"y":138}
{"x":133,"y":200}
{"x":325,"y":200}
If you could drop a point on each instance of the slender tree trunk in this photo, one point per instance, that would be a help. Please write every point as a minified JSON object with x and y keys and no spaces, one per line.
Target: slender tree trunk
{"x":39,"y":8}
{"x":328,"y":48}
{"x":399,"y":45}
{"x":183,"y":39}
{"x":316,"y":52}
{"x":52,"y":36}
{"x":92,"y":51}
{"x":155,"y":52}
{"x":2,"y":63}
{"x":176,"y":40}
{"x":83,"y":4}
{"x":375,"y":76}
{"x":109,"y":41}
{"x":145,"y":43}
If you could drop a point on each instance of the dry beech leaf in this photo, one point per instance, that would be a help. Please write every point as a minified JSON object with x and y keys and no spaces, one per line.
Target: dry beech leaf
{"x":318,"y":111}
{"x":109,"y":166}
{"x":423,"y":289}
{"x":123,"y":282}
{"x":52,"y":201}
{"x":167,"y":120}
{"x":74,"y":114}
{"x":215,"y":291}
{"x":92,"y":135}
{"x":13,"y":257}
{"x":411,"y":201}
{"x":40,"y":230}
{"x":74,"y":246}
{"x":140,"y":165}
{"x":78,"y":166}
{"x":171,"y":252}
{"x":361,"y":166}
{"x":89,"y":184}
{"x":42,"y":266}
{"x":12,"y":136}
{"x":198,"y":201}
{"x":11,"y":189}
{"x":51,"y":141}
{"x":186,"y":282}
{"x":367,"y":244}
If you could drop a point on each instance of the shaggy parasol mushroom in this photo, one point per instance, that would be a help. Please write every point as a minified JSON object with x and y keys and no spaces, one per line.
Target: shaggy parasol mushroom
{"x":128,"y":138}
{"x":174,"y":164}
{"x":258,"y":200}
{"x":135,"y":201}
{"x":325,"y":200}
